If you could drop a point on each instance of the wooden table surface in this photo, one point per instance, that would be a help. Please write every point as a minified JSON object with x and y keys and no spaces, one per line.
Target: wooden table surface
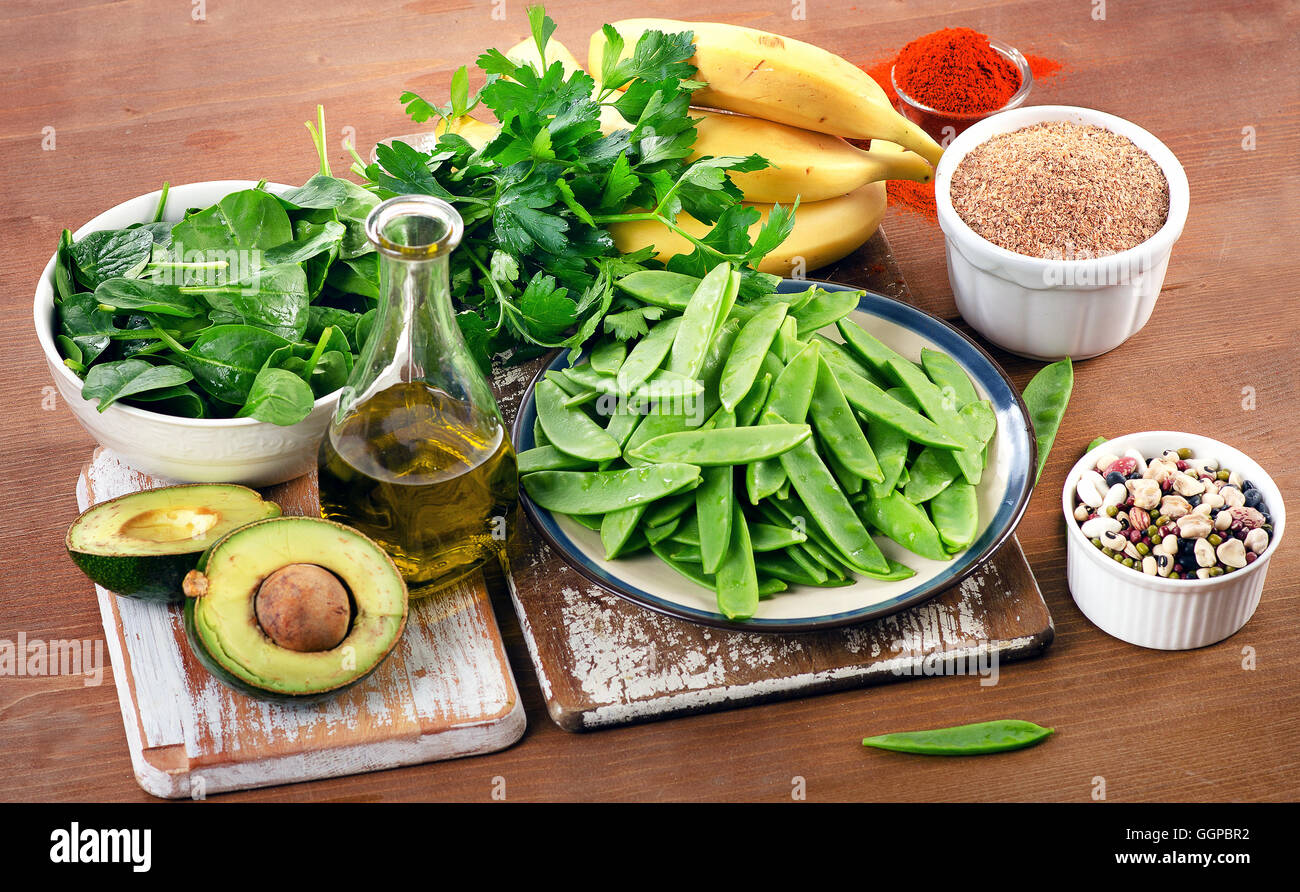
{"x":103,"y":102}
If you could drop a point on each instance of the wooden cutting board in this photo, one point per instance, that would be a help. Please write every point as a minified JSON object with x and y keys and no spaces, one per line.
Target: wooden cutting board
{"x":446,"y":691}
{"x":604,"y":661}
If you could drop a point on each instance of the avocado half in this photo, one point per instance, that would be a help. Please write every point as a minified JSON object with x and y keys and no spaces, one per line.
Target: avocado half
{"x":250,"y":614}
{"x":142,"y":544}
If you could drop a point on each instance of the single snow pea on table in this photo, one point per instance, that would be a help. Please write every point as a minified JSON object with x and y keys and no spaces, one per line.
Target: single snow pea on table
{"x":980,"y":738}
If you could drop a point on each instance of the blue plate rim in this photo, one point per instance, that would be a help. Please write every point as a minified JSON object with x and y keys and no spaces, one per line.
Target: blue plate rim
{"x":996,"y":534}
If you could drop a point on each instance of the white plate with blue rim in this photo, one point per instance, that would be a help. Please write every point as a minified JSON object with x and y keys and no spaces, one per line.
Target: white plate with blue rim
{"x":1002,"y":494}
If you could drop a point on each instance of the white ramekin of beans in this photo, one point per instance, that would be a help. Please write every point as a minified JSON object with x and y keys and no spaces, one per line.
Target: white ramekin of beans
{"x":1168,"y":537}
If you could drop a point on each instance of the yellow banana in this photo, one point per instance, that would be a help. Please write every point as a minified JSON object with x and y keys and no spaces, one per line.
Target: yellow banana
{"x":823,"y":232}
{"x":476,"y":132}
{"x":807,"y":165}
{"x":781,"y":79}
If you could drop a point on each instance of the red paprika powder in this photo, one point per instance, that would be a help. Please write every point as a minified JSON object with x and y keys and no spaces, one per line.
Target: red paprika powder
{"x":955,"y":70}
{"x":952,"y":70}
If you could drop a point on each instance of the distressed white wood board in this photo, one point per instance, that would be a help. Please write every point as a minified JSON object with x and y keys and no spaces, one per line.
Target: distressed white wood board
{"x":446,"y":691}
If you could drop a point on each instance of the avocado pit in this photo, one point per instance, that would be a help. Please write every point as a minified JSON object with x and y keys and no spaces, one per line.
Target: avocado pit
{"x":303,"y":607}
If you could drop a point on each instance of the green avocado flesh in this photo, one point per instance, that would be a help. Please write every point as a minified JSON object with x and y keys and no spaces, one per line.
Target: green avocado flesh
{"x":222,"y":621}
{"x":142,"y":544}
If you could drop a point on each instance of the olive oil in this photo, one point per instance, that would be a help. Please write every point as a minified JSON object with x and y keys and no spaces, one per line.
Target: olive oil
{"x":417,"y":456}
{"x":428,"y":477}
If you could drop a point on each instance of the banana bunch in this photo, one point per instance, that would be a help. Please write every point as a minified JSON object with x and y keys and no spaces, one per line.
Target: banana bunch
{"x":792,"y":103}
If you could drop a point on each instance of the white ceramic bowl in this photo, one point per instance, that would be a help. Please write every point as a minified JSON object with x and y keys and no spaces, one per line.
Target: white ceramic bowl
{"x":198,"y":450}
{"x":1049,"y":309}
{"x":1153,"y":611}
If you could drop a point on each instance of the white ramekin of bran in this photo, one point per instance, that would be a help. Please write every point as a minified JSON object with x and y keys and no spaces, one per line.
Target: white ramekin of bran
{"x":1058,"y":223}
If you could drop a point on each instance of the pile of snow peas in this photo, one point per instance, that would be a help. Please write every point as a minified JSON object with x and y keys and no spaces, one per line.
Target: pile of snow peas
{"x":749,"y":451}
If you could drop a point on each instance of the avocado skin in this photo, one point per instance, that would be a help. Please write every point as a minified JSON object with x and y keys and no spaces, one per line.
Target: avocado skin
{"x":236,"y":683}
{"x":143,"y":577}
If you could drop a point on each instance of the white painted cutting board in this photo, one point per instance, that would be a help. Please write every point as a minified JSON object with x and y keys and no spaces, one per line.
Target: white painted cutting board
{"x":446,"y":691}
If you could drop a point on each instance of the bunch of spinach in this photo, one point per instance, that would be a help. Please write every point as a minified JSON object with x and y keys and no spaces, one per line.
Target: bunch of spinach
{"x":253,"y":307}
{"x":537,"y":267}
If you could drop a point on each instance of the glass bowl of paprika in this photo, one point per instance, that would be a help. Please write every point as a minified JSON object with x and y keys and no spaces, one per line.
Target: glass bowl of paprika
{"x":956,"y":77}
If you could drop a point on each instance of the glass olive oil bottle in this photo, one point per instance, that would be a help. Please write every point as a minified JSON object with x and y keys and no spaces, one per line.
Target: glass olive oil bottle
{"x":417,"y":456}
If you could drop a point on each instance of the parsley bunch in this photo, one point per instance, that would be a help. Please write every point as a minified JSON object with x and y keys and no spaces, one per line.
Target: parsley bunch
{"x":537,"y":268}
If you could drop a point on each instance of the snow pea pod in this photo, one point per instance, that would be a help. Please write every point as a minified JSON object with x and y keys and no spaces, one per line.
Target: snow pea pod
{"x":781,"y":566}
{"x":688,"y":531}
{"x":749,"y":407}
{"x":746,"y":359}
{"x":580,"y":399}
{"x":723,"y":446}
{"x":1046,"y":397}
{"x":867,"y":346}
{"x":770,"y":537}
{"x":838,"y":427}
{"x":825,"y":308}
{"x":660,"y":384}
{"x":616,"y":529}
{"x":655,"y":535}
{"x":660,"y":288}
{"x":658,"y":421}
{"x":622,"y":424}
{"x":836,"y":353}
{"x":964,"y":740}
{"x":647,"y":356}
{"x":789,"y":400}
{"x":931,"y":473}
{"x":850,"y":482}
{"x":568,"y":428}
{"x":700,"y":320}
{"x":955,"y":513}
{"x":564,"y":380}
{"x":949,"y":377}
{"x":872,"y":402}
{"x":673,"y":507}
{"x":715,"y":498}
{"x":707,"y":404}
{"x":818,"y":546}
{"x":890,"y":446}
{"x":982,"y":422}
{"x":905,"y":523}
{"x":895,"y":573}
{"x":599,"y":492}
{"x":941,"y":410}
{"x":737,"y":576}
{"x":830,"y":508}
{"x":548,"y":458}
{"x":607,"y":358}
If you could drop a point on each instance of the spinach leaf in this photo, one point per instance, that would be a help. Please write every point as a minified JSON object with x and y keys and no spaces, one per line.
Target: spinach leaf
{"x":321,"y":192}
{"x":330,"y":372}
{"x":319,"y":318}
{"x":178,"y":400}
{"x":273,"y":298}
{"x":150,"y":297}
{"x":89,"y":327}
{"x":111,"y":252}
{"x":310,"y":239}
{"x":278,"y":396}
{"x":247,"y":220}
{"x":111,"y":381}
{"x":63,"y":284}
{"x":225,"y":359}
{"x":358,"y":275}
